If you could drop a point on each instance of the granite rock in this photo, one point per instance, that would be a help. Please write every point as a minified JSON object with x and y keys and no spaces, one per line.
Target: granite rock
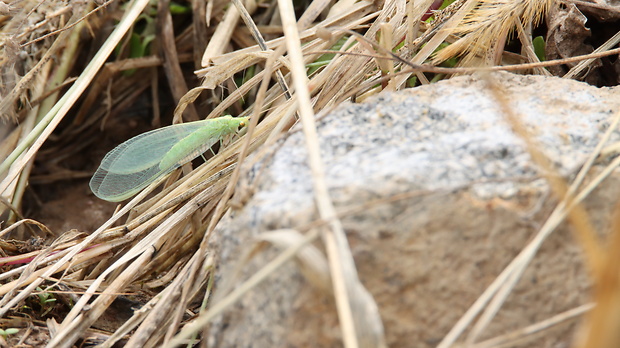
{"x":456,"y":197}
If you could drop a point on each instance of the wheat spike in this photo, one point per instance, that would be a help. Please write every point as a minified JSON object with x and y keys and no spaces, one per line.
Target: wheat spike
{"x":484,"y":30}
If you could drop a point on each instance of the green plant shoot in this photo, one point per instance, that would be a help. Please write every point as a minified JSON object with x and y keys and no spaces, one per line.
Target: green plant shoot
{"x":539,"y":48}
{"x":136,"y":163}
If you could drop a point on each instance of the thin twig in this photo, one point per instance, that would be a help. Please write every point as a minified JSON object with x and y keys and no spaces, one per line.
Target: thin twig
{"x":247,"y":19}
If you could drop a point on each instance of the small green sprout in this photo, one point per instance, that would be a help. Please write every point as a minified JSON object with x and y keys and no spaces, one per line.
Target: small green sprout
{"x":9,"y":331}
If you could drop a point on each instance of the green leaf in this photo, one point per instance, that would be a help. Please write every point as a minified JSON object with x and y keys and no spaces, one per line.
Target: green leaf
{"x":176,"y":8}
{"x":539,"y":48}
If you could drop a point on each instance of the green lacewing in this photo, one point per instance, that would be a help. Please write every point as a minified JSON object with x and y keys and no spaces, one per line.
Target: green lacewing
{"x":136,"y":163}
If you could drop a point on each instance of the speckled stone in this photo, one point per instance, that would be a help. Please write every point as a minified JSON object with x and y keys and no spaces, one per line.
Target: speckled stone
{"x":475,"y":200}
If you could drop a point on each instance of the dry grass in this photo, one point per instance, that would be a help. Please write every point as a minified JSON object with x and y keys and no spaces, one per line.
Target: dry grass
{"x":159,"y":246}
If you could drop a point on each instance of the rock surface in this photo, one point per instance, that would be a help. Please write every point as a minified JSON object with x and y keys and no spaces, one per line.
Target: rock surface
{"x":475,"y":200}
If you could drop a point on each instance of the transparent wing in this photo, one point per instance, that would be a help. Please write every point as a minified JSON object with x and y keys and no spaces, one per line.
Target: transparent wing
{"x":147,"y":149}
{"x":197,"y":142}
{"x":134,"y":164}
